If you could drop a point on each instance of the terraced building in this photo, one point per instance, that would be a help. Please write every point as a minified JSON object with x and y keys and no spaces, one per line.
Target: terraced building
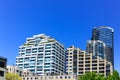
{"x":41,"y":55}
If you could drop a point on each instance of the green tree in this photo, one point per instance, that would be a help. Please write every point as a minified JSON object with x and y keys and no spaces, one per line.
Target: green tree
{"x":100,"y":77}
{"x":88,"y":76}
{"x":12,"y":76}
{"x":92,"y":76}
{"x":114,"y":76}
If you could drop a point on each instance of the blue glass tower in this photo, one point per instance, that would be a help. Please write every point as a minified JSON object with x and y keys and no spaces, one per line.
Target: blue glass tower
{"x":106,"y":35}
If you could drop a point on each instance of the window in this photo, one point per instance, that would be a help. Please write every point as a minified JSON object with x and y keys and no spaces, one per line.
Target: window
{"x":28,"y":50}
{"x":101,"y":64}
{"x":48,"y":51}
{"x":70,"y":59}
{"x":94,"y":68}
{"x":87,"y":68}
{"x":69,"y":77}
{"x":80,"y":68}
{"x":60,"y":77}
{"x":26,"y":65}
{"x":80,"y":72}
{"x":34,"y":50}
{"x":2,"y":64}
{"x":48,"y":44}
{"x":2,"y":73}
{"x":75,"y":51}
{"x":94,"y":64}
{"x":65,"y":77}
{"x":40,"y":49}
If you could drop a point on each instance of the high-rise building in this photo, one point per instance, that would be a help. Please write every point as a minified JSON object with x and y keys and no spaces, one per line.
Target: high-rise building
{"x":3,"y":63}
{"x":106,"y":35}
{"x":97,"y":48}
{"x":41,"y":54}
{"x":85,"y":63}
{"x":71,"y":60}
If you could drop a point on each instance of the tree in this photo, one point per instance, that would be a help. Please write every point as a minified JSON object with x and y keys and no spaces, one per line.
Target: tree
{"x":114,"y":76}
{"x":12,"y":76}
{"x":93,"y":76}
{"x":89,"y":76}
{"x":100,"y":77}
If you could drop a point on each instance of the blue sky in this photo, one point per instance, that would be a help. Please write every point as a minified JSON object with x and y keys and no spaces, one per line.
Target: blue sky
{"x":68,"y":21}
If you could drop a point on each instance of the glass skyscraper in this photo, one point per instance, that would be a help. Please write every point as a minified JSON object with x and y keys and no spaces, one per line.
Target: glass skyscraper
{"x":41,"y":55}
{"x":106,"y":35}
{"x":97,"y":48}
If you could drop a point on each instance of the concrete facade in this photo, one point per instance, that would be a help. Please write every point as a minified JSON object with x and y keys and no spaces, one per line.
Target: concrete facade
{"x":86,"y":63}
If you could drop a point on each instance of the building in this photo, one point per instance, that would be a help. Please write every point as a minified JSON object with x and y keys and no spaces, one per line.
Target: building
{"x":41,"y":55}
{"x":71,"y":60}
{"x":27,"y":75}
{"x":85,"y":63}
{"x":15,"y":70}
{"x":3,"y":63}
{"x":53,"y":77}
{"x":105,"y":34}
{"x":97,"y":48}
{"x":20,"y":72}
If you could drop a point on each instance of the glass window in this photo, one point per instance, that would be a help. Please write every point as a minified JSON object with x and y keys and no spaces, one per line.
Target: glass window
{"x":1,"y":73}
{"x":28,"y":50}
{"x":60,"y":77}
{"x":65,"y":77}
{"x":34,"y":50}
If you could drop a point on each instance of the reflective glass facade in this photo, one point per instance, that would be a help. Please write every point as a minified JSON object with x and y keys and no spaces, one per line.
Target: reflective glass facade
{"x":106,"y":35}
{"x":97,"y":48}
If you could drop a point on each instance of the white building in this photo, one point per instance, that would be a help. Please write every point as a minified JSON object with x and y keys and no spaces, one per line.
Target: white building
{"x":41,"y":55}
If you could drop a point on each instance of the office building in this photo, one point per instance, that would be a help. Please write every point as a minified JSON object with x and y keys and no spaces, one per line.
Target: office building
{"x":41,"y":55}
{"x":71,"y":60}
{"x":3,"y":62}
{"x":105,"y":34}
{"x":85,"y":63}
{"x":97,"y":48}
